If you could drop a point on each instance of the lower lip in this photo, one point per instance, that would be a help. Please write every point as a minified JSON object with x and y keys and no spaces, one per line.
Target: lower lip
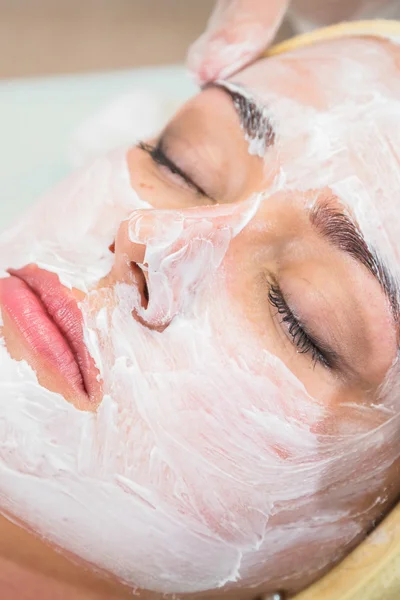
{"x":51,"y":330}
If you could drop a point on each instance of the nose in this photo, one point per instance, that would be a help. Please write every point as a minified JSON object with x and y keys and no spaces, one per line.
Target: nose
{"x":170,"y":255}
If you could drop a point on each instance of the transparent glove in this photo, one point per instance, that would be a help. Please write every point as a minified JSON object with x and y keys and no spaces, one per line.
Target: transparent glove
{"x":239,"y":30}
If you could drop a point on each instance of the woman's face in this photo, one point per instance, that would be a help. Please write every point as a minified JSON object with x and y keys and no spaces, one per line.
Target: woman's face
{"x":200,"y":335}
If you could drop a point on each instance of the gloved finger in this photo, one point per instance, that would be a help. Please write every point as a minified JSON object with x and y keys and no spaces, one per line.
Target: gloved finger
{"x":237,"y":32}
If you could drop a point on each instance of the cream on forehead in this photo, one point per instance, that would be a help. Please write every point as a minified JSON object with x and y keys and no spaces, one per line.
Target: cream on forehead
{"x":203,"y":464}
{"x":340,"y":130}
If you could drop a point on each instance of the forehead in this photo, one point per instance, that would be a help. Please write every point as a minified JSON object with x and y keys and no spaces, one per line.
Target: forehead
{"x":335,"y":107}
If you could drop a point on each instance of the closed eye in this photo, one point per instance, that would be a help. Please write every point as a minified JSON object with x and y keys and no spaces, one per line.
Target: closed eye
{"x":300,"y":338}
{"x":159,"y":156}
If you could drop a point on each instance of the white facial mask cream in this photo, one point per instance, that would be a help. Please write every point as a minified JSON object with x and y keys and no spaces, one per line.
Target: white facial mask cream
{"x":206,"y":462}
{"x":145,"y":456}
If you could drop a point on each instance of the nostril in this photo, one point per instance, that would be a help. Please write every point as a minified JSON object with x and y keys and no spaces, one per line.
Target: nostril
{"x":139,"y":276}
{"x":141,"y":283}
{"x":146,"y":292}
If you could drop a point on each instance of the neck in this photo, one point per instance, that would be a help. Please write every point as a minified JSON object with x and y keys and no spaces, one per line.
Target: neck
{"x":22,"y":583}
{"x":30,"y":569}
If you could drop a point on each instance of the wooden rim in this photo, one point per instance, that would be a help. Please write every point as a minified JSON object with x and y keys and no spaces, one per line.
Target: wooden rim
{"x":378,"y":28}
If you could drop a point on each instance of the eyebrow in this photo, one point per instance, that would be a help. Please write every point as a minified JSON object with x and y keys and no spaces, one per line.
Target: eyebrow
{"x":341,"y":232}
{"x":253,"y":117}
{"x":330,"y":222}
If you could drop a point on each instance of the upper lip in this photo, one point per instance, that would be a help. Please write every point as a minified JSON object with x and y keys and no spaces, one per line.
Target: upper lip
{"x":62,"y":309}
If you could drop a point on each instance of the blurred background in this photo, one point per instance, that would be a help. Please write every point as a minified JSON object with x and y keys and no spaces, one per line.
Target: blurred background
{"x":78,"y":77}
{"x":45,"y":37}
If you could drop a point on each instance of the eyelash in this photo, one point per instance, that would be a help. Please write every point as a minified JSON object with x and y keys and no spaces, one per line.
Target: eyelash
{"x":158,"y":156}
{"x":301,"y":339}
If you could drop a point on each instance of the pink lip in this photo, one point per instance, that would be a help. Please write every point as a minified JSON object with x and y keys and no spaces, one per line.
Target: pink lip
{"x":47,"y":318}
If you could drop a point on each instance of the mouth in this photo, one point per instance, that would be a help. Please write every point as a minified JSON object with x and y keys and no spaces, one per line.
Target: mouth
{"x":45,"y":319}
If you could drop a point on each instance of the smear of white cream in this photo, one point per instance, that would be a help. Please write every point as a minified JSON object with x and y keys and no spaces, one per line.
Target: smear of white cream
{"x":202,"y":466}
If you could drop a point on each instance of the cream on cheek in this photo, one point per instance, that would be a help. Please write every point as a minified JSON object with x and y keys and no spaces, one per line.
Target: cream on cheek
{"x":69,"y":230}
{"x":178,"y":412}
{"x":181,"y":414}
{"x":202,"y":463}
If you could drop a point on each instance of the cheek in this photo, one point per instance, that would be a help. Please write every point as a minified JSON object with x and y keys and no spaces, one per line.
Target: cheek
{"x":190,"y":416}
{"x":154,"y":186}
{"x":246,"y":267}
{"x":144,"y":181}
{"x":70,"y":230}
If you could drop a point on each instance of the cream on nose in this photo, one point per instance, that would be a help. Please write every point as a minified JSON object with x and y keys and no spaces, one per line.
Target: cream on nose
{"x":129,"y":266}
{"x":170,"y":255}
